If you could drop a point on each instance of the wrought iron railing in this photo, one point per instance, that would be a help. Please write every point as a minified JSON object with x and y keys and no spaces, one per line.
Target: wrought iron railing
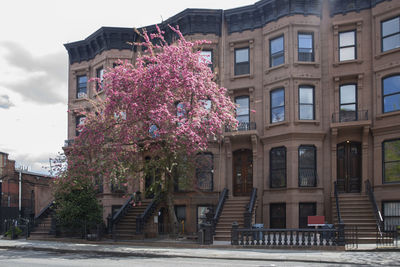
{"x":377,"y":213}
{"x":345,"y":116}
{"x":288,"y":237}
{"x":248,"y":214}
{"x":112,"y":221}
{"x":143,"y":218}
{"x":337,"y":203}
{"x":242,"y":126}
{"x":220,"y":206}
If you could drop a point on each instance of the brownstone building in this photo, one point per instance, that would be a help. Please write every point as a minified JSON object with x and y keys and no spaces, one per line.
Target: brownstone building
{"x":26,"y":191}
{"x":317,"y":84}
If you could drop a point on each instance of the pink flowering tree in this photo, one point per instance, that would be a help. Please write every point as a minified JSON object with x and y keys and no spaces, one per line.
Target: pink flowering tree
{"x":167,"y":105}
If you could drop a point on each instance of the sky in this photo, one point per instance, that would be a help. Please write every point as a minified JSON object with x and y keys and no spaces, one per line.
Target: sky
{"x":34,"y":64}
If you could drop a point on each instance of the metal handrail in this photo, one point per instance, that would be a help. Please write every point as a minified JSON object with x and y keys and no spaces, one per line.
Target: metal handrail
{"x":44,"y":210}
{"x":253,"y":199}
{"x":377,"y":213}
{"x":221,"y":203}
{"x":248,"y":214}
{"x":122,"y":211}
{"x":142,"y":218}
{"x":337,"y":203}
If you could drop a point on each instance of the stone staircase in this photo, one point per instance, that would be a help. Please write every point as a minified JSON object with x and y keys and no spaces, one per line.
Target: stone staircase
{"x":232,"y":212}
{"x":356,"y":211}
{"x":42,"y":229}
{"x":126,"y":227}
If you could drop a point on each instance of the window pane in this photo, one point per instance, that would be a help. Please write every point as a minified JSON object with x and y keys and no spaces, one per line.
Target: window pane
{"x":242,"y":55}
{"x":277,"y":98}
{"x":391,"y":42}
{"x":242,"y":68}
{"x":391,"y":103}
{"x":206,"y":57}
{"x":278,"y":158}
{"x":347,"y":53}
{"x":278,"y":114}
{"x":276,"y":45}
{"x":307,"y":157}
{"x":277,"y":59}
{"x":305,"y":41}
{"x":278,"y":178}
{"x":392,"y":150}
{"x":391,"y":208}
{"x":347,"y":94}
{"x":82,"y":79}
{"x":306,"y":112}
{"x":346,"y":38}
{"x":391,"y":85}
{"x":242,"y":106}
{"x":306,"y":95}
{"x":390,"y":26}
{"x":277,"y":215}
{"x":392,"y":172}
{"x":345,"y":108}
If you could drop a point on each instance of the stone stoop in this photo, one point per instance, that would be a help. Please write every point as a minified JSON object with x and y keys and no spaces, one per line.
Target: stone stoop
{"x":233,"y":211}
{"x":126,"y":227}
{"x":42,"y":230}
{"x":356,"y":211}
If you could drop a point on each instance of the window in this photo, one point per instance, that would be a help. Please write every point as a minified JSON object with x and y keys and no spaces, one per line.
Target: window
{"x":306,"y":47}
{"x":348,"y":103}
{"x":277,"y":215}
{"x":391,"y":93}
{"x":81,"y":90}
{"x":201,"y":214}
{"x":277,"y":105}
{"x":79,"y":121}
{"x":306,"y":103}
{"x":243,"y":112}
{"x":206,"y":57}
{"x":153,"y":131}
{"x":180,"y":212}
{"x":307,"y":166}
{"x":391,"y":161}
{"x":204,"y":171}
{"x":277,"y":167}
{"x":390,"y":34}
{"x":305,"y":210}
{"x":347,"y":45}
{"x":276,"y":51}
{"x":99,"y":75}
{"x":242,"y":61}
{"x":391,"y":214}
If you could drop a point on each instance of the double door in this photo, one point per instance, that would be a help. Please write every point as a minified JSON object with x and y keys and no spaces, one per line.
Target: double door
{"x":349,"y":167}
{"x":242,"y":172}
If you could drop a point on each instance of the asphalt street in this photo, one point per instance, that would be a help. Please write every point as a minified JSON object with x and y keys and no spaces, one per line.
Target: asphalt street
{"x":31,"y":258}
{"x":105,"y":253}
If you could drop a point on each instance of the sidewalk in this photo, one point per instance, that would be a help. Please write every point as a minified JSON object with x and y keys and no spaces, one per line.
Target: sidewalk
{"x":171,"y":248}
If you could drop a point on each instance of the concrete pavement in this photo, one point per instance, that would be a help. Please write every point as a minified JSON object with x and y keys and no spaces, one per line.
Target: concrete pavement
{"x":171,"y":249}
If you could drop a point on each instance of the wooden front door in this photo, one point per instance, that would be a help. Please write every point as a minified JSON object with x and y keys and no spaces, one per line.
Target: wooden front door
{"x":242,"y":172}
{"x":349,"y":167}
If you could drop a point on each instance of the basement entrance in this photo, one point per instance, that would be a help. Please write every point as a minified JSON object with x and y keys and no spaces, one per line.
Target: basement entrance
{"x":349,"y":167}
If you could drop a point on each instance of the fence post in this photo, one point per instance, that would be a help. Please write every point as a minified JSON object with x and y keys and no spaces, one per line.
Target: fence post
{"x":235,"y":234}
{"x":341,"y":237}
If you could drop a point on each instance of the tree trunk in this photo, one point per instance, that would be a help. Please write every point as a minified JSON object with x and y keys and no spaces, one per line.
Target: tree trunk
{"x":173,"y":221}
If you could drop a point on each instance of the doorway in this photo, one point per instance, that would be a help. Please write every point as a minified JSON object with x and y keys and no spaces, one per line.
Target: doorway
{"x":349,"y":167}
{"x":242,"y":172}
